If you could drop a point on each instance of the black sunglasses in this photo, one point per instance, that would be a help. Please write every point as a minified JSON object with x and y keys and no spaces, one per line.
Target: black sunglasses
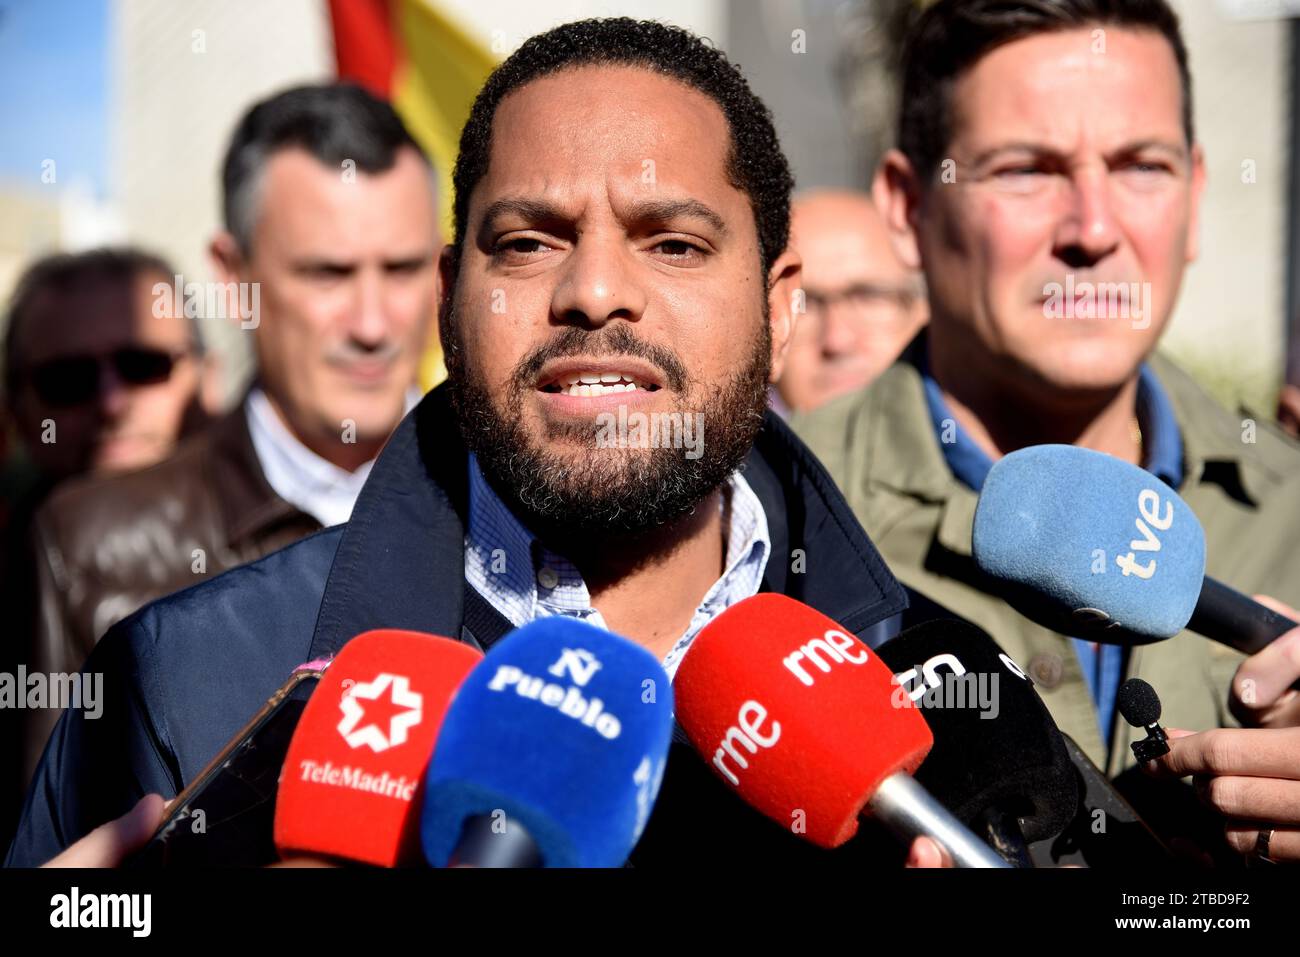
{"x":74,"y":380}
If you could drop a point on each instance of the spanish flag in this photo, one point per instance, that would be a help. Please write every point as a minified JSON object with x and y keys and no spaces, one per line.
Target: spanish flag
{"x":430,"y":69}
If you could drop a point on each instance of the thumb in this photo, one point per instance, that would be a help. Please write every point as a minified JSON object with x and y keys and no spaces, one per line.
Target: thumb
{"x":108,"y":844}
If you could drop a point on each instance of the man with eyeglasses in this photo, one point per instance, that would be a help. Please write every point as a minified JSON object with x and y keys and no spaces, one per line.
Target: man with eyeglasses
{"x":331,"y":233}
{"x":860,"y":305}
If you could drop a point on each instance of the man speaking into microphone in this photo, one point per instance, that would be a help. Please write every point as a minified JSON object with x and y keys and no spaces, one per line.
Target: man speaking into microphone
{"x":616,"y":300}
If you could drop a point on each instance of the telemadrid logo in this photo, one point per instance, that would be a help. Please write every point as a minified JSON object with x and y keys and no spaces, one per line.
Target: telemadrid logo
{"x":405,"y":706}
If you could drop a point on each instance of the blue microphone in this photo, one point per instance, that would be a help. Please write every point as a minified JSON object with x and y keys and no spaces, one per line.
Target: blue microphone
{"x":1089,"y":545}
{"x":551,"y":753}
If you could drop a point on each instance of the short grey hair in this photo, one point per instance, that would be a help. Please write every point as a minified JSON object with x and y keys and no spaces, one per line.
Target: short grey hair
{"x":333,"y":122}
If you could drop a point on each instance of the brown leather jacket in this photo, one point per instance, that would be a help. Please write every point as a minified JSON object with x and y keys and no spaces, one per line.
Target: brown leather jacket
{"x":105,"y":547}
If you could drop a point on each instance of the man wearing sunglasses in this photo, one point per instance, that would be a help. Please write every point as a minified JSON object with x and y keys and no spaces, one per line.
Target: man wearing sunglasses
{"x":331,"y":220}
{"x":101,"y":376}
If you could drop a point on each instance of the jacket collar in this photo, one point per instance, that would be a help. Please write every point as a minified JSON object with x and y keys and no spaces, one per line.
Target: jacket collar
{"x":401,"y":559}
{"x":905,"y":457}
{"x":250,"y":508}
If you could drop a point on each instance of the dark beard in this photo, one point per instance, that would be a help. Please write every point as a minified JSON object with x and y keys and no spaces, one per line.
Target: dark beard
{"x":614,"y":492}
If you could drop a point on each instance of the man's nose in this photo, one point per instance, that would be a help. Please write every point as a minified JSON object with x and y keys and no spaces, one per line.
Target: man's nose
{"x":114,"y":393}
{"x":1088,"y":232}
{"x":598,"y":284}
{"x":368,"y":323}
{"x":841,"y":329}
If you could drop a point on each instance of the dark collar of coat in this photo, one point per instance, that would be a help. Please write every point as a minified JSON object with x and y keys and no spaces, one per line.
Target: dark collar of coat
{"x":401,"y":560}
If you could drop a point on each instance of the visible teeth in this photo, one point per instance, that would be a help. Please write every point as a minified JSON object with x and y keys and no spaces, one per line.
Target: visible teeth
{"x":611,"y":377}
{"x":591,"y":380}
{"x":599,"y":388}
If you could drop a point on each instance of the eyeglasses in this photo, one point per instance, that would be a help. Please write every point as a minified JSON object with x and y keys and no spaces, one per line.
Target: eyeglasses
{"x":863,"y":300}
{"x":74,"y":380}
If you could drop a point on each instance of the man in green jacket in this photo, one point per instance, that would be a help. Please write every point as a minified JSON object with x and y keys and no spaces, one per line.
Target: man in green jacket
{"x":1047,"y":181}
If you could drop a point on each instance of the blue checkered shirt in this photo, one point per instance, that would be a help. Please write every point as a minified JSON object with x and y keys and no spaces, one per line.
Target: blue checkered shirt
{"x":525,"y":581}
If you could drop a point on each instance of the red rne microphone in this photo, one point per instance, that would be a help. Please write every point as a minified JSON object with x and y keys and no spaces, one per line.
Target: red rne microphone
{"x":357,"y":758}
{"x":800,"y":718}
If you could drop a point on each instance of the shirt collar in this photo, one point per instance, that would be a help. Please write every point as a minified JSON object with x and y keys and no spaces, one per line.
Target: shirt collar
{"x":1162,"y":439}
{"x":296,"y":473}
{"x":523,"y":580}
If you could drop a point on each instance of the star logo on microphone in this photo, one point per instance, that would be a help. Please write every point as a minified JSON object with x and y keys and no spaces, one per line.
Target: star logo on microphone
{"x":378,"y":714}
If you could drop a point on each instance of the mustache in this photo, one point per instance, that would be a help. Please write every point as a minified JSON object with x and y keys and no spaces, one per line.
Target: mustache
{"x":348,"y":352}
{"x":1081,"y":276}
{"x":614,"y":340}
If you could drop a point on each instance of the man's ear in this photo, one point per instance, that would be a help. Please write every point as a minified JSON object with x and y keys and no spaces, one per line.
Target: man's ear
{"x":1194,"y":199}
{"x":230,"y":266}
{"x":896,"y":190}
{"x":784,"y":282}
{"x":226,"y":258}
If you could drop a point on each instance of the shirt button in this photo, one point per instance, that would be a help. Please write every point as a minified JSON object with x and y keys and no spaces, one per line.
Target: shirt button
{"x":1046,"y":670}
{"x":547,"y":578}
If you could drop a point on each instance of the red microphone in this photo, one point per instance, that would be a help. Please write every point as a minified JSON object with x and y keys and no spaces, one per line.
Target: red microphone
{"x":799,"y":717}
{"x":349,"y":782}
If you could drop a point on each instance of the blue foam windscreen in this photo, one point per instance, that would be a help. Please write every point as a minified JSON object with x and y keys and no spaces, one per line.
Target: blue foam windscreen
{"x":563,"y":728}
{"x":1089,"y":545}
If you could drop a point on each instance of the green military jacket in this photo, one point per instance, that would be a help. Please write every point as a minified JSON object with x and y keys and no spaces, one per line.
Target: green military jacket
{"x":879,"y":445}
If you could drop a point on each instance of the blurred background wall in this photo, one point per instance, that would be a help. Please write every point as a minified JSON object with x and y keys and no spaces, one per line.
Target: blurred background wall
{"x":118,"y":112}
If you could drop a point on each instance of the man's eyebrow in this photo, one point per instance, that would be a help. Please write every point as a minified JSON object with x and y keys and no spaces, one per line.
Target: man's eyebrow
{"x":661,"y":210}
{"x":664,"y":210}
{"x":531,"y":210}
{"x":1043,"y":150}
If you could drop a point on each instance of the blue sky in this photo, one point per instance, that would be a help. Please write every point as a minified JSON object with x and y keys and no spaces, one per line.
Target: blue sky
{"x":54,"y":73}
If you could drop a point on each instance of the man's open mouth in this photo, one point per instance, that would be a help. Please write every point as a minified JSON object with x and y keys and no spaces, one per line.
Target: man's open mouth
{"x":597,"y":379}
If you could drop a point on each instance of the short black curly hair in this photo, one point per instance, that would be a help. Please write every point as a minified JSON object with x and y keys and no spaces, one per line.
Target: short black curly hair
{"x":756,"y":164}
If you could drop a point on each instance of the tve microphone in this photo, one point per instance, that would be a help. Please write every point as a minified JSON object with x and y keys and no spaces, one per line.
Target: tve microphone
{"x":349,"y":784}
{"x":798,"y":717}
{"x":998,"y":762}
{"x":1092,"y":546}
{"x":552,"y":752}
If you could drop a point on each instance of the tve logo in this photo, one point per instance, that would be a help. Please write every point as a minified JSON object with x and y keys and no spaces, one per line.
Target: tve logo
{"x":390,"y":709}
{"x":1149,"y":509}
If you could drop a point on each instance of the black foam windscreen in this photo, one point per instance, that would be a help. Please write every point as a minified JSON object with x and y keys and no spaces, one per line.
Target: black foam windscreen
{"x":1138,"y":703}
{"x":996,"y":747}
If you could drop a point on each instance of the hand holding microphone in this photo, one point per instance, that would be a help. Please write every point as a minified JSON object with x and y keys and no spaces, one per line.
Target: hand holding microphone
{"x":1263,"y":691}
{"x":1251,"y":776}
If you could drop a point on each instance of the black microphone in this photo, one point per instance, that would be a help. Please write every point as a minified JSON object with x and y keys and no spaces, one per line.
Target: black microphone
{"x":998,"y":761}
{"x":1235,"y":619}
{"x":1140,"y":705}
